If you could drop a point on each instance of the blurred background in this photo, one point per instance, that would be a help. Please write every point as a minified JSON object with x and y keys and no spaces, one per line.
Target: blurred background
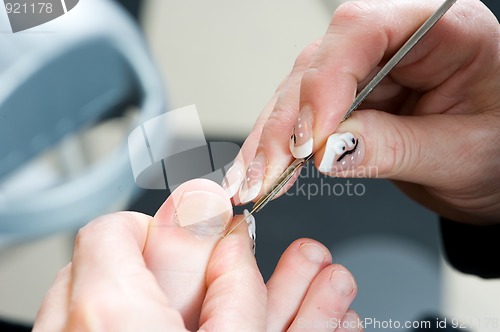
{"x":228,"y":57}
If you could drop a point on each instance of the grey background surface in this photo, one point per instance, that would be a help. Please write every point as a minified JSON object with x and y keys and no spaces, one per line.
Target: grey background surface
{"x":389,"y":243}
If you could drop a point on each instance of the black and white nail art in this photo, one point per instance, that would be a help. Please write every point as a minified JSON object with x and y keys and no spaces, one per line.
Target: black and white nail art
{"x":341,"y":151}
{"x":251,"y":227}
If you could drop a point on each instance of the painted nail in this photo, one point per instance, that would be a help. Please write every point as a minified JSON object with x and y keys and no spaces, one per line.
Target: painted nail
{"x":301,"y":141}
{"x":342,"y":152}
{"x":251,"y":227}
{"x":203,"y":212}
{"x":233,"y":178}
{"x":252,"y":184}
{"x":313,"y":252}
{"x":342,"y":283}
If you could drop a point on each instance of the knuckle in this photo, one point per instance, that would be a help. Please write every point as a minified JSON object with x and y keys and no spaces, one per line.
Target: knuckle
{"x":396,"y":149}
{"x":89,"y":229}
{"x":104,"y":223}
{"x":405,"y":153}
{"x":306,"y":55}
{"x":282,"y":118}
{"x":351,"y":12}
{"x":89,"y":309}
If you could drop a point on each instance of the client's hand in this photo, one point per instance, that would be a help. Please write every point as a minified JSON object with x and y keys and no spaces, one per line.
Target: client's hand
{"x":132,"y":272}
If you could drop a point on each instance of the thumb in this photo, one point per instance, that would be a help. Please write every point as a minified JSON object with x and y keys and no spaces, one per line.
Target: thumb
{"x":418,"y":149}
{"x":236,"y":297}
{"x":180,"y":240}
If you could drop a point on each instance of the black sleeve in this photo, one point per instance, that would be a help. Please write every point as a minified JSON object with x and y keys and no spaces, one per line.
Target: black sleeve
{"x":472,"y":249}
{"x":7,"y":326}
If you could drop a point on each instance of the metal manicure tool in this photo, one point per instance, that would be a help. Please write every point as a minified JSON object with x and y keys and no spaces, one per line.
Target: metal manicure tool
{"x":291,"y":170}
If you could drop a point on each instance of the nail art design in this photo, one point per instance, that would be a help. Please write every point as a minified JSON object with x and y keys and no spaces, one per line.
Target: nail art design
{"x":342,"y":152}
{"x":251,"y":227}
{"x":301,"y":141}
{"x":233,"y":178}
{"x":252,"y":184}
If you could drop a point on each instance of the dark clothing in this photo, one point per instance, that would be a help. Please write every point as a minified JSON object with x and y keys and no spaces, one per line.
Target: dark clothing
{"x":472,"y":249}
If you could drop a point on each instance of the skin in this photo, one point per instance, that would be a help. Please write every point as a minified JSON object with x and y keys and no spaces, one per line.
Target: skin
{"x":133,"y":272}
{"x":431,"y":125}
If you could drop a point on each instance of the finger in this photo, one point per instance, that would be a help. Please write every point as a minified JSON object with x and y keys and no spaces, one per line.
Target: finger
{"x":350,"y":323}
{"x":236,"y":173}
{"x":263,"y":156}
{"x":112,"y":289}
{"x":327,"y":300}
{"x":236,"y":296}
{"x":417,"y":150}
{"x":362,"y":34}
{"x":180,"y":241}
{"x":54,"y":310}
{"x":298,"y":266}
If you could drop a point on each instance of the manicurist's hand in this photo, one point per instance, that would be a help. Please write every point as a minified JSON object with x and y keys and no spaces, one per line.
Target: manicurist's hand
{"x":175,"y":272}
{"x":433,"y":125}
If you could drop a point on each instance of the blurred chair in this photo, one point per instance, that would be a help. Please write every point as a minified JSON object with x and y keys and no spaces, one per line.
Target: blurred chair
{"x":60,"y":79}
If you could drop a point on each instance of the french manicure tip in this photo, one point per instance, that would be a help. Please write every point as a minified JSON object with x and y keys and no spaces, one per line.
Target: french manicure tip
{"x":231,"y":190}
{"x":233,"y":178}
{"x":303,"y":150}
{"x":253,"y":178}
{"x":250,"y":219}
{"x":251,"y":193}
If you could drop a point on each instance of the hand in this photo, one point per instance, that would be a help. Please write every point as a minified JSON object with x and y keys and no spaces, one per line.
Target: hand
{"x":132,"y":272}
{"x":439,"y":132}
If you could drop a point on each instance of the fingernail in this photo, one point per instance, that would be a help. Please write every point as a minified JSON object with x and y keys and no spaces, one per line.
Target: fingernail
{"x":233,"y":178}
{"x":342,"y":283}
{"x":342,"y":152}
{"x":203,"y":212}
{"x":351,"y":322}
{"x":313,"y":252}
{"x":251,"y":227}
{"x":301,"y":142}
{"x":252,"y":184}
